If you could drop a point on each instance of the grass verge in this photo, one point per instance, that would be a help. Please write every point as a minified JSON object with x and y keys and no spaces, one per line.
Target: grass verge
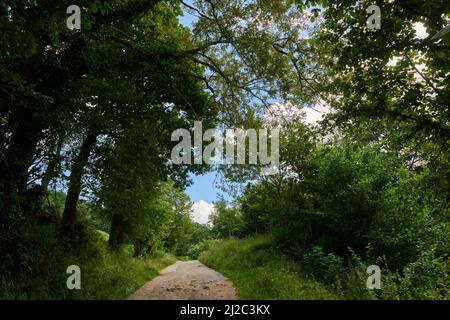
{"x":259,"y":272}
{"x":117,"y":276}
{"x":105,"y":274}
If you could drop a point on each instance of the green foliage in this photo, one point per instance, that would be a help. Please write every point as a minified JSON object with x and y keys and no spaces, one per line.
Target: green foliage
{"x":342,"y":204}
{"x":407,"y":100}
{"x":104,"y":235}
{"x":196,"y":249}
{"x":100,"y":102}
{"x":118,"y":276}
{"x":104,"y":274}
{"x":182,"y":228}
{"x":370,"y":185}
{"x":425,"y":278}
{"x":202,"y":232}
{"x":323,"y":266}
{"x":413,"y":220}
{"x":259,"y":271}
{"x":226,"y":221}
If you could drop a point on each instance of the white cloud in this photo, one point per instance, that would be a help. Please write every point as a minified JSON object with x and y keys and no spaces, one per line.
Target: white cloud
{"x":421,"y":31}
{"x":316,"y":114}
{"x":201,"y":211}
{"x":278,"y":114}
{"x":393,"y":61}
{"x":281,"y":113}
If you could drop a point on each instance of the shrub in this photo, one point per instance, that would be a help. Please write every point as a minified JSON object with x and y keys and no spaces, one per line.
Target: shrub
{"x":325,"y":267}
{"x":196,"y":249}
{"x":428,"y":277}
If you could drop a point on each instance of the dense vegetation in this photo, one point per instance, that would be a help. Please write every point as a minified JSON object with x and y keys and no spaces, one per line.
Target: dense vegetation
{"x":353,"y":207}
{"x":340,"y":205}
{"x":86,"y":118}
{"x":260,"y":270}
{"x":369,"y":185}
{"x":91,"y":112}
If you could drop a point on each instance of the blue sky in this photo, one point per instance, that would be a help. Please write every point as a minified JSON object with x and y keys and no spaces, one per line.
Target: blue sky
{"x":187,"y":19}
{"x":203,"y":188}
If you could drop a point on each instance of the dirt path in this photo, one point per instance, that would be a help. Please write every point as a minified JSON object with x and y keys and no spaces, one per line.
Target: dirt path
{"x":189,"y":280}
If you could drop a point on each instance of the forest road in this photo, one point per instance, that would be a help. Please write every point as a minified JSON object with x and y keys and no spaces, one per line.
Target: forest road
{"x":187,"y":280}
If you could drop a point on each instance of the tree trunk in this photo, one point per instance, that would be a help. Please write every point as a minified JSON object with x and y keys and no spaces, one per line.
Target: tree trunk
{"x":149,"y":249}
{"x":73,"y":193}
{"x":52,"y":168}
{"x":15,"y":163}
{"x":138,"y":246}
{"x":117,"y":231}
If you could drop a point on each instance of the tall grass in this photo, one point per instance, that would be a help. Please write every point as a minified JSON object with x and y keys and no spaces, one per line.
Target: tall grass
{"x":104,"y":274}
{"x":259,"y":272}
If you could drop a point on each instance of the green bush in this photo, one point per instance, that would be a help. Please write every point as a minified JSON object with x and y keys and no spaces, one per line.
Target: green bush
{"x":196,"y":249}
{"x":426,"y":278}
{"x":323,"y":266}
